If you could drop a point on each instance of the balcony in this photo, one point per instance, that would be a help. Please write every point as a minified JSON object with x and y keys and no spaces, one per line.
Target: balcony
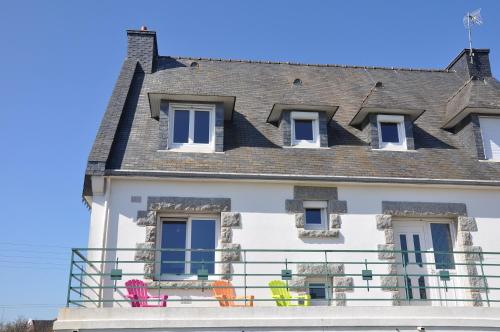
{"x":328,"y":277}
{"x":341,"y":290}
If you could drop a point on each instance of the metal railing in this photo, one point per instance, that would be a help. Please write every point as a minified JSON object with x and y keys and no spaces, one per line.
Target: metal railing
{"x":331,"y":277}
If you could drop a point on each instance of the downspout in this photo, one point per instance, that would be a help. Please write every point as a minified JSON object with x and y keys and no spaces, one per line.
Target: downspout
{"x":104,"y":237}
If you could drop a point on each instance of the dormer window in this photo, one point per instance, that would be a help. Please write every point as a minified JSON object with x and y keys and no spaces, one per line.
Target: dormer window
{"x":305,"y":129}
{"x":391,"y":132}
{"x":192,"y":127}
{"x":490,"y":132}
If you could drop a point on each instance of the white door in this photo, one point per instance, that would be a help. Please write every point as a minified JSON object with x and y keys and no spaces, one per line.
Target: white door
{"x":410,"y":239}
{"x":423,"y":284}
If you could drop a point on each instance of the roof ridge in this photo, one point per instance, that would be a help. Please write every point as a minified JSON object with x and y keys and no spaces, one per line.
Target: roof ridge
{"x":309,"y":64}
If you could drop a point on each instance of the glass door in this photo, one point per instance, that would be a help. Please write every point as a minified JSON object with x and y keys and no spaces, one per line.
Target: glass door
{"x":412,"y":264}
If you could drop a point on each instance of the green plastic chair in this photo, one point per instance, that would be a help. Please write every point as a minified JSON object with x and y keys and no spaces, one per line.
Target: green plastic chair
{"x":280,"y":293}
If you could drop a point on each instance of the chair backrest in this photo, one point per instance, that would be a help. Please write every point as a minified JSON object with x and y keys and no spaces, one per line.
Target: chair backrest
{"x":224,"y":288}
{"x":139,"y":289}
{"x":280,"y":292}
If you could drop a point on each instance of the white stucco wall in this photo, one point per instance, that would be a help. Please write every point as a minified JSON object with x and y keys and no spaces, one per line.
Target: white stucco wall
{"x":266,"y":225}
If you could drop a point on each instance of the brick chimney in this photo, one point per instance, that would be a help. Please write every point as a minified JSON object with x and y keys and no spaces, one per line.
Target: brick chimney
{"x":479,"y":67}
{"x":142,"y":46}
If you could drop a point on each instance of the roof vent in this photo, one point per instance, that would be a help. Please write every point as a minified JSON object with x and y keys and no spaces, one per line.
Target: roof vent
{"x":297,"y":82}
{"x":379,"y":85}
{"x":144,"y":28}
{"x":194,"y":64}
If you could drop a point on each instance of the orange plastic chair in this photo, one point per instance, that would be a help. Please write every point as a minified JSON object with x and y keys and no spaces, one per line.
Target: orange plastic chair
{"x":225,"y":294}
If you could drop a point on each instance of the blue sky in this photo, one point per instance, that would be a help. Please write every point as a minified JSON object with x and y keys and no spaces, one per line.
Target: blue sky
{"x":59,"y":61}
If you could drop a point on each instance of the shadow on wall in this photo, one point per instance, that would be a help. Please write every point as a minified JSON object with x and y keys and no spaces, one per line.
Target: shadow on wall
{"x":425,"y":140}
{"x":338,"y":135}
{"x":241,"y":133}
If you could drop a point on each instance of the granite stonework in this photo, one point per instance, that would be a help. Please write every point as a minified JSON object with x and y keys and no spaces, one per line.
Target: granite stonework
{"x":313,"y":233}
{"x":424,"y":209}
{"x":334,"y":209}
{"x":465,"y":227}
{"x":230,"y":219}
{"x":187,"y":205}
{"x":334,"y":273}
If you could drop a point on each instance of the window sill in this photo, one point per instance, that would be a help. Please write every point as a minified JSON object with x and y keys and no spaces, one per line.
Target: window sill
{"x":180,"y":284}
{"x":181,"y":150}
{"x":394,"y":150}
{"x":490,"y":160}
{"x":310,"y":233}
{"x":304,"y":147}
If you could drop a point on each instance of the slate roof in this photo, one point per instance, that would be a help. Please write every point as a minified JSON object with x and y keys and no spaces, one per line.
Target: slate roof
{"x":253,"y":147}
{"x":475,"y":93}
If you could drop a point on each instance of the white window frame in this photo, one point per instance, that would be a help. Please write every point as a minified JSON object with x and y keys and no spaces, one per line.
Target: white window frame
{"x":323,"y":205}
{"x":190,"y":146}
{"x":400,"y":121}
{"x":314,"y":116}
{"x":187,"y":266}
{"x":488,"y":154}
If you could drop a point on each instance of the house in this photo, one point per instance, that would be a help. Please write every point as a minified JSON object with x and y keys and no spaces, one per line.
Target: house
{"x":373,"y":191}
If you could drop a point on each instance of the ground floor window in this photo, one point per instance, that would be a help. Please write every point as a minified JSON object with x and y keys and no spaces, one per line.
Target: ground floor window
{"x":317,"y":291}
{"x":190,"y":244}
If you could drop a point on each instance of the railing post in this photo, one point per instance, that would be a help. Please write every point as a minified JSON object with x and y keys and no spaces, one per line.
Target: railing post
{"x":407,"y":291}
{"x":245,"y":274}
{"x":68,"y":296}
{"x":327,"y":281}
{"x":484,"y":279}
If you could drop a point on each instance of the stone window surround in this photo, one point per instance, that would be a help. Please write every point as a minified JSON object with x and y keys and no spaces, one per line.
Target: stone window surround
{"x":189,"y":206}
{"x":164,"y":124}
{"x":371,"y":127}
{"x":286,"y":128}
{"x":335,"y":207}
{"x":455,"y":211}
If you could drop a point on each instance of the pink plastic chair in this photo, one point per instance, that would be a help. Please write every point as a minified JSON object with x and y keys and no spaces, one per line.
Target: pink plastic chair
{"x":138,"y":294}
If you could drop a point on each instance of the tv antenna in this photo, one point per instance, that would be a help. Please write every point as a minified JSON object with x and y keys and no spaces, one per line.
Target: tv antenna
{"x":471,"y":19}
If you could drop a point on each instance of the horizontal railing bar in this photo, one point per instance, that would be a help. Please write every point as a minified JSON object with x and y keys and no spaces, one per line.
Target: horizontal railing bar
{"x":294,"y":250}
{"x":284,"y":287}
{"x":303,"y":275}
{"x":76,"y":251}
{"x":289,"y":262}
{"x":295,"y":300}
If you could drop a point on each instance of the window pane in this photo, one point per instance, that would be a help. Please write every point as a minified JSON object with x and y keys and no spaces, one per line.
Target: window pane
{"x":201,"y":127}
{"x":317,"y":291}
{"x":313,"y":216}
{"x":304,"y":130}
{"x":173,"y":237}
{"x":203,"y":237}
{"x":421,"y":287}
{"x":181,"y":126}
{"x":404,"y":248}
{"x":389,"y":132}
{"x":416,"y":245}
{"x":409,"y":289}
{"x":442,"y":243}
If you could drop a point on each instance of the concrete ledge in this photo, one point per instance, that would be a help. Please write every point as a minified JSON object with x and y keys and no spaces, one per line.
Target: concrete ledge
{"x":268,"y":318}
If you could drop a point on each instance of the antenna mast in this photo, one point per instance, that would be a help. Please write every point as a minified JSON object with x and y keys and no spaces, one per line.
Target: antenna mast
{"x":470,"y":19}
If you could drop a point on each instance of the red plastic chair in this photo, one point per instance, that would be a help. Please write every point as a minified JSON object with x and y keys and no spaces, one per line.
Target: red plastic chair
{"x":138,"y":294}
